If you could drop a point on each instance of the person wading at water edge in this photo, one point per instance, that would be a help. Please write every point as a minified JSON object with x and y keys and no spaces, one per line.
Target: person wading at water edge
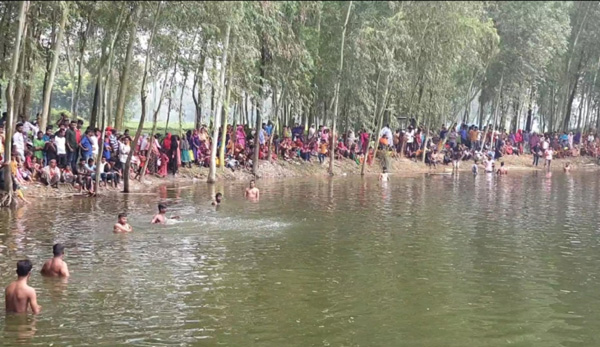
{"x":18,"y":295}
{"x":252,"y":192}
{"x":56,"y":267}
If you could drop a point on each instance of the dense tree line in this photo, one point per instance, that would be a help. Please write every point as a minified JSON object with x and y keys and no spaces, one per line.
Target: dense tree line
{"x":515,"y":65}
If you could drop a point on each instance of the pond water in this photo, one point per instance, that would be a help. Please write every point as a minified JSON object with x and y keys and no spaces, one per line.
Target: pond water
{"x":425,"y":261}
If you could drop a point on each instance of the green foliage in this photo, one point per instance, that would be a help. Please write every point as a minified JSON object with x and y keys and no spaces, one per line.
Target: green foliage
{"x":430,"y":58}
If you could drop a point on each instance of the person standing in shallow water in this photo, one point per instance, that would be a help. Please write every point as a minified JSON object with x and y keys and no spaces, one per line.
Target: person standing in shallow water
{"x":18,"y":295}
{"x":252,"y":192}
{"x":56,"y":267}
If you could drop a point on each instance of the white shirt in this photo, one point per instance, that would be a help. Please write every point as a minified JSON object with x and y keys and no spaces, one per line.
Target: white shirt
{"x":123,"y":152}
{"x":410,"y":135}
{"x":19,"y":142}
{"x":61,"y":145}
{"x":94,"y":142}
{"x":590,"y":138}
{"x":545,"y":145}
{"x":549,"y":154}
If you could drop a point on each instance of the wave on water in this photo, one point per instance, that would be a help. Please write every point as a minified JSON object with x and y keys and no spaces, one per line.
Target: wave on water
{"x":244,"y":225}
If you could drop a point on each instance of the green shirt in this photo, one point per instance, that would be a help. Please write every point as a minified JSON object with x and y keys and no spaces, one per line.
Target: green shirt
{"x":38,"y":143}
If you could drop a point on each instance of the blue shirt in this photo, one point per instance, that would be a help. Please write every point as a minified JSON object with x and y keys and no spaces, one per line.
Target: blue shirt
{"x":85,"y":143}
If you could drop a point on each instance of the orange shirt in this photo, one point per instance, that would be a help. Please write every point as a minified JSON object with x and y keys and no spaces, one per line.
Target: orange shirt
{"x":323,"y":148}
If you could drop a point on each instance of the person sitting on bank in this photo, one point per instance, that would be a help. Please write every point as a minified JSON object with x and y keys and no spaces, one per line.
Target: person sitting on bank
{"x":51,"y":174}
{"x":56,"y":267}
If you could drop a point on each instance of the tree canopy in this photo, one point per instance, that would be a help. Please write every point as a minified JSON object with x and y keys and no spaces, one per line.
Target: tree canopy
{"x":514,"y":64}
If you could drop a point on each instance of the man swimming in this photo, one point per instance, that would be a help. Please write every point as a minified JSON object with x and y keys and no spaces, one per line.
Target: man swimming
{"x":160,"y":218}
{"x":218,"y":199}
{"x":18,"y":295}
{"x":122,"y":226}
{"x":252,"y":192}
{"x":56,"y":267}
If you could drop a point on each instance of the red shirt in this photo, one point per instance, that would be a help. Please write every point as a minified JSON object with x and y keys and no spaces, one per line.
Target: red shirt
{"x":78,"y":135}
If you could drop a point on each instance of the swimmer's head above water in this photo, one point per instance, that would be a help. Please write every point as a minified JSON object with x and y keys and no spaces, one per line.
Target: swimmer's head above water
{"x":162,"y":208}
{"x":123,"y":218}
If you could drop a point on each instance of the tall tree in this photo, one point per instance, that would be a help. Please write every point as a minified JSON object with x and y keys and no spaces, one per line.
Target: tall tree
{"x":56,"y":47}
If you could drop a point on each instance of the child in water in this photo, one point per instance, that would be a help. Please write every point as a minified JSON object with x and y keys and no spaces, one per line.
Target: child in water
{"x":567,"y":167}
{"x":122,"y":226}
{"x":218,"y":198}
{"x":475,"y":168}
{"x":502,"y":170}
{"x":384,"y":175}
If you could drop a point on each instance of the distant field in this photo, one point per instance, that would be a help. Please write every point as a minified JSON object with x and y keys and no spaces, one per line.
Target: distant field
{"x":160,"y":126}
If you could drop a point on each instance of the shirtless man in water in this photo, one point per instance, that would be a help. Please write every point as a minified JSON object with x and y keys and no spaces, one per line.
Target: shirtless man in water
{"x":252,"y":192}
{"x":56,"y":267}
{"x":122,"y":226}
{"x":18,"y":295}
{"x":160,"y":217}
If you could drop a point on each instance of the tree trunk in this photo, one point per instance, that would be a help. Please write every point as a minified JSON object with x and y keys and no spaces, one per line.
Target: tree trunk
{"x":570,"y":104}
{"x":199,"y":80}
{"x":225,"y":114}
{"x":7,"y":200}
{"x":185,"y":77}
{"x":213,"y":152}
{"x":170,"y":93}
{"x":337,"y":91}
{"x":119,"y":116}
{"x":96,"y":103}
{"x":259,"y":110}
{"x":82,"y":46}
{"x":56,"y":54}
{"x":143,"y":96}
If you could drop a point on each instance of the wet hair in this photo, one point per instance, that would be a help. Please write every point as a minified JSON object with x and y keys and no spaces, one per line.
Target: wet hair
{"x":384,"y":169}
{"x":23,"y":267}
{"x":121,"y":215}
{"x":161,"y":207}
{"x":58,"y":249}
{"x":502,"y":164}
{"x":218,"y":195}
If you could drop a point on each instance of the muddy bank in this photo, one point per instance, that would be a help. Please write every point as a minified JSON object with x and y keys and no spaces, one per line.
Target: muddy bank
{"x":297,"y":168}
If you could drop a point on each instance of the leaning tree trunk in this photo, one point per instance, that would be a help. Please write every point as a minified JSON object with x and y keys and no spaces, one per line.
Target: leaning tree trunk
{"x":119,"y":116}
{"x":7,"y":199}
{"x":56,"y":54}
{"x":213,"y":152}
{"x":143,"y":97}
{"x":337,"y":90}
